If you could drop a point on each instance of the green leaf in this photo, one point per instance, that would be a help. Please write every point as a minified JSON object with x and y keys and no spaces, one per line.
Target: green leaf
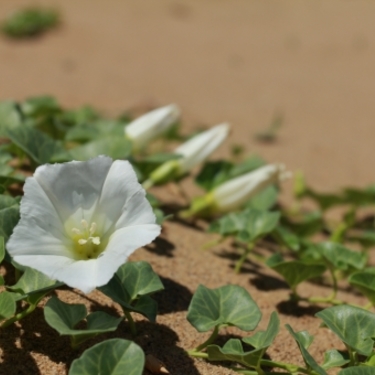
{"x":7,"y":305}
{"x":33,"y":285}
{"x":63,"y":317}
{"x":333,"y":358}
{"x":306,"y":224}
{"x":2,"y":249}
{"x":364,"y":281}
{"x":294,"y":272}
{"x":257,"y":224}
{"x":114,"y":146}
{"x":29,"y":22}
{"x":304,"y":340}
{"x":10,"y":117}
{"x":228,"y":305}
{"x":263,"y":339}
{"x":360,"y":197}
{"x":94,"y":130}
{"x":357,"y":370}
{"x":340,"y":257}
{"x":233,"y":351}
{"x":286,"y":238}
{"x":9,"y":215}
{"x":248,"y":224}
{"x":353,"y":325}
{"x":110,"y":357}
{"x":37,"y":145}
{"x":265,"y":199}
{"x":131,"y":286}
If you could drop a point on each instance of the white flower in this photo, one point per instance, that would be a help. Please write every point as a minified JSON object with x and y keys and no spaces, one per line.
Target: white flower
{"x":152,"y":124}
{"x":194,"y":151}
{"x":234,"y":193}
{"x":80,"y":221}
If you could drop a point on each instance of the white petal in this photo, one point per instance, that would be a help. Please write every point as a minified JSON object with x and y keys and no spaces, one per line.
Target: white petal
{"x":143,"y":129}
{"x":200,"y":147}
{"x":136,"y":211}
{"x":234,"y":193}
{"x":75,"y":185}
{"x":86,"y":275}
{"x":119,"y":187}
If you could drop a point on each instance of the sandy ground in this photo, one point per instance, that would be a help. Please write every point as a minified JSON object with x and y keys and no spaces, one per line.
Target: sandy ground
{"x":239,"y":61}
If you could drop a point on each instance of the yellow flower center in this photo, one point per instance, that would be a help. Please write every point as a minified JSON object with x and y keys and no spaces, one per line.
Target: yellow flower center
{"x":86,"y":241}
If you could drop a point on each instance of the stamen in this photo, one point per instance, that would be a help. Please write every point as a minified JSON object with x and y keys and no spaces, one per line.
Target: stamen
{"x":92,"y":228}
{"x":76,"y":231}
{"x":95,"y":240}
{"x":82,"y":241}
{"x":84,"y":223}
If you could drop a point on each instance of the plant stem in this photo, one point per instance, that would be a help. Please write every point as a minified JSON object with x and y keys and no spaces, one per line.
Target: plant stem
{"x":209,"y":341}
{"x":240,"y":262}
{"x":284,"y":366}
{"x":18,"y":316}
{"x":130,"y":320}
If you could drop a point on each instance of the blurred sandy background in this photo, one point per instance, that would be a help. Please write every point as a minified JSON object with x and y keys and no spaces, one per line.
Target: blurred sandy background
{"x":239,"y":61}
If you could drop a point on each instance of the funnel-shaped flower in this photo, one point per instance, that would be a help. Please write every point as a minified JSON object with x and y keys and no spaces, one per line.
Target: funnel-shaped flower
{"x":232,"y":194}
{"x":80,"y":221}
{"x":194,"y":151}
{"x":149,"y":126}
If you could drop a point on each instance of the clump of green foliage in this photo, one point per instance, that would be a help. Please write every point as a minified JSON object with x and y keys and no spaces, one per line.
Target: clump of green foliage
{"x":30,"y":22}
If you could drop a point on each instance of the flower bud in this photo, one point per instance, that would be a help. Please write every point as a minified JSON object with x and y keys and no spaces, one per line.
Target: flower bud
{"x":232,"y":194}
{"x":194,"y":151}
{"x":152,"y":124}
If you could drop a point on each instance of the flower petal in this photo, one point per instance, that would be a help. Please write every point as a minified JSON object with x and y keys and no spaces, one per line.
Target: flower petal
{"x":119,"y":187}
{"x":74,"y":185}
{"x":200,"y":147}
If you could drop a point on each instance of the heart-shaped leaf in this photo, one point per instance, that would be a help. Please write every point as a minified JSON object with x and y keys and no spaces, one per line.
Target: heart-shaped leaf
{"x":353,"y":325}
{"x":228,"y":305}
{"x":286,"y":238}
{"x":265,"y":199}
{"x":263,"y":339}
{"x":33,"y":285}
{"x":364,"y":281}
{"x":114,"y":146}
{"x":7,"y":305}
{"x":333,"y":358}
{"x":37,"y":145}
{"x":294,"y":272}
{"x":340,"y":257}
{"x":131,"y":286}
{"x":356,"y":370}
{"x":63,"y":317}
{"x":304,"y":340}
{"x":10,"y":116}
{"x":9,"y":215}
{"x":233,"y":351}
{"x":111,"y":357}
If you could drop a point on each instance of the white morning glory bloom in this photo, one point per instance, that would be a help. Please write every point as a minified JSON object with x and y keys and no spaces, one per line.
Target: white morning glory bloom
{"x":152,"y":124}
{"x":194,"y":151}
{"x":80,"y":221}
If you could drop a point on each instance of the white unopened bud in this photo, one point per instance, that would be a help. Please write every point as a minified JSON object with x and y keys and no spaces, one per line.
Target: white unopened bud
{"x":234,"y":193}
{"x":152,"y":124}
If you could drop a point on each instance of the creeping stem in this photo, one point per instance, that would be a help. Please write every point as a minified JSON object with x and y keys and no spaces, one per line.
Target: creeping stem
{"x":241,"y":261}
{"x":209,"y":341}
{"x":18,"y":316}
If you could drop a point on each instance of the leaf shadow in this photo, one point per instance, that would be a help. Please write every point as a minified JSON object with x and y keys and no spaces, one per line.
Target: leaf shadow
{"x":175,"y":297}
{"x":268,"y":283}
{"x":294,"y":308}
{"x":161,"y":246}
